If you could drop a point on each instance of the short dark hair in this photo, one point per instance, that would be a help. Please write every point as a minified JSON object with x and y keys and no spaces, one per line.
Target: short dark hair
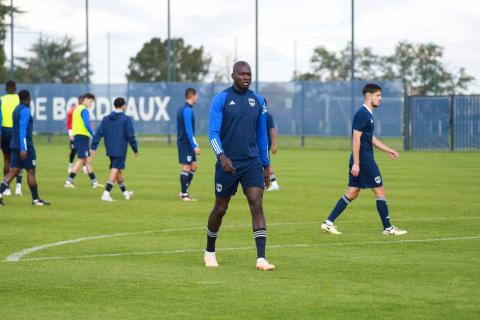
{"x":119,"y":102}
{"x":371,"y":88}
{"x":189,"y":92}
{"x":80,"y":99}
{"x":240,"y":64}
{"x":24,"y":95}
{"x":10,"y":84}
{"x":88,"y":95}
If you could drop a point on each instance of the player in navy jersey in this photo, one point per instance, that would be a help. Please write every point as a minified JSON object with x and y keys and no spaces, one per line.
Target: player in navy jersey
{"x":23,"y":155}
{"x":364,"y":172}
{"x":187,"y":145}
{"x":238,"y":136}
{"x":272,"y":147}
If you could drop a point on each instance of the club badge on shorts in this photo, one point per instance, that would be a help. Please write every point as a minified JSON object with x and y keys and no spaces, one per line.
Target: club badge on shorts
{"x":378,"y":179}
{"x":219,"y":187}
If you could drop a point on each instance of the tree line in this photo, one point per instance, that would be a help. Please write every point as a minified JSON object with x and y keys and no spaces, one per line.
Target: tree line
{"x":418,"y":66}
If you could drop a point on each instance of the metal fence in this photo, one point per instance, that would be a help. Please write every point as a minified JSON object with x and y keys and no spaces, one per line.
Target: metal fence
{"x":299,"y":108}
{"x":442,"y":123}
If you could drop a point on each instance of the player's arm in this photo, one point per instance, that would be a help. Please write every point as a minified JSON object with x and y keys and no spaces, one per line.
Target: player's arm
{"x":86,"y":120}
{"x":97,"y":137}
{"x":130,"y":134}
{"x":187,"y":118}
{"x":391,"y":152}
{"x":22,"y":132}
{"x":356,"y":152}
{"x":273,"y":136}
{"x":69,"y":123}
{"x":214,"y":127}
{"x":262,"y":143}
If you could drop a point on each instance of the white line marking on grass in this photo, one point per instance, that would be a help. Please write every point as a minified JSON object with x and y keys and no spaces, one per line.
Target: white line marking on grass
{"x":295,"y":245}
{"x":20,"y":254}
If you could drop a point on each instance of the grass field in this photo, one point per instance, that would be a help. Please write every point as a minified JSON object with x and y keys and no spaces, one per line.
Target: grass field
{"x":152,"y":268}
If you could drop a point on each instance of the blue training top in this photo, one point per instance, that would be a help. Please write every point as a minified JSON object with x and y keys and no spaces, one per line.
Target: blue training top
{"x":22,"y":128}
{"x":117,"y":128}
{"x":238,"y":125}
{"x":186,"y":126}
{"x":363,"y":121}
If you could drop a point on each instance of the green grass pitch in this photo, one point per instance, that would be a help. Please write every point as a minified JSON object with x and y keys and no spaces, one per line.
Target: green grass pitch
{"x":156,"y":268}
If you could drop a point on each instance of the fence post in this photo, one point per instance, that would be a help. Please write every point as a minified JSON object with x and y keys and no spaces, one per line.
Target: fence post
{"x":406,"y":123}
{"x":451,"y":107}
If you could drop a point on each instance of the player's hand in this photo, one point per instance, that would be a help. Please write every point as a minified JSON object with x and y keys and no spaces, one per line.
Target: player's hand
{"x":393,"y":154}
{"x":197,"y":151}
{"x":226,"y":163}
{"x":92,"y":153}
{"x":273,"y":149}
{"x":71,"y":138}
{"x":23,"y":155}
{"x":355,"y":169}
{"x":266,"y":176}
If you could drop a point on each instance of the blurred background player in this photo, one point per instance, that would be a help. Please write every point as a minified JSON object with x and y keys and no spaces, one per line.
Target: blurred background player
{"x":23,"y":155}
{"x":188,"y":147}
{"x":364,"y":172}
{"x":8,"y":103}
{"x":238,"y":136}
{"x":82,"y":132}
{"x":117,"y":128}
{"x":73,"y":150}
{"x":272,"y":147}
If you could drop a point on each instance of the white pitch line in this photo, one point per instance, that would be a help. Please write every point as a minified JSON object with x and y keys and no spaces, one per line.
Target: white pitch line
{"x":20,"y":254}
{"x":296,"y":245}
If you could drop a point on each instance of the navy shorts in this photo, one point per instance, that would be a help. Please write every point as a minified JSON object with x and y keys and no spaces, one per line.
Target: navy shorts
{"x":30,"y":162}
{"x":117,"y":162}
{"x":6,"y":139}
{"x":369,"y":176}
{"x":248,"y":172}
{"x":186,"y":154}
{"x":82,"y":144}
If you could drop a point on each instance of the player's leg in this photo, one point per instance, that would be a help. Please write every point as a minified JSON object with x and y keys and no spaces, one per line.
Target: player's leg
{"x":5,"y":145}
{"x":13,"y":171}
{"x":273,"y":181}
{"x":127,"y":194}
{"x":18,"y":187}
{"x":71,"y":156}
{"x":191,"y":174}
{"x":214,"y":222}
{"x":382,"y":208}
{"x":73,"y":173}
{"x":184,"y":177}
{"x":112,"y":178}
{"x":32,"y":183}
{"x":91,"y":174}
{"x":342,"y":203}
{"x":259,"y":225}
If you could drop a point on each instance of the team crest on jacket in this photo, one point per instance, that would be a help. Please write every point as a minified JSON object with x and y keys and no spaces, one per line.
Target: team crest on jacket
{"x":251,"y":101}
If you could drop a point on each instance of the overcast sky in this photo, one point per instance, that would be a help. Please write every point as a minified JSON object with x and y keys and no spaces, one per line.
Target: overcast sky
{"x":219,"y":24}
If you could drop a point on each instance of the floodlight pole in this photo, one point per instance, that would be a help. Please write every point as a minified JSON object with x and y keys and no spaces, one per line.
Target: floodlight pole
{"x":108,"y":67}
{"x":352,"y":68}
{"x":256,"y":48}
{"x":12,"y":76}
{"x":87,"y":51}
{"x":169,"y":45}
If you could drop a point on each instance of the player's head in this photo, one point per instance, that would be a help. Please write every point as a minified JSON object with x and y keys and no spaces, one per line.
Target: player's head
{"x":191,"y":96}
{"x":10,"y":87}
{"x":120,"y":104}
{"x":242,"y":75}
{"x":372,"y":95}
{"x":88,"y":99}
{"x":25,"y":98}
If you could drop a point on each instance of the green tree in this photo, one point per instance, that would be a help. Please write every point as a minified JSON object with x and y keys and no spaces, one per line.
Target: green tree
{"x":189,"y":64}
{"x":53,"y":61}
{"x":418,"y":66}
{"x":4,"y":12}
